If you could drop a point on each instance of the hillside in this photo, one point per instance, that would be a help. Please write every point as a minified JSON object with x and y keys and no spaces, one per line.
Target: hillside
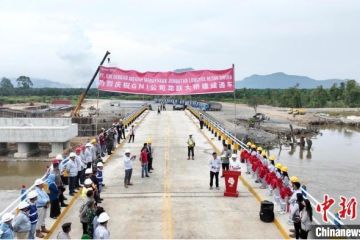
{"x":44,"y":83}
{"x":282,"y":80}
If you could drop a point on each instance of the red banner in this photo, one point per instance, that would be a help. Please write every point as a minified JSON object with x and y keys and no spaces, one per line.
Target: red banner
{"x":166,"y":83}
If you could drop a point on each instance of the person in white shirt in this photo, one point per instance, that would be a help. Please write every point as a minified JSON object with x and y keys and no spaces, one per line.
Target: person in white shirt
{"x":235,"y":164}
{"x":102,"y":232}
{"x":132,"y":134}
{"x":215,"y":165}
{"x":88,"y":155}
{"x":128,"y":162}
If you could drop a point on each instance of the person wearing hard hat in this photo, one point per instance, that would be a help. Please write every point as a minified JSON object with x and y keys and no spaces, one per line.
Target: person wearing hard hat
{"x":65,"y":233}
{"x":54,"y":197}
{"x":42,"y":205}
{"x":21,"y":223}
{"x":80,"y":158}
{"x":225,"y":158}
{"x":71,"y":167}
{"x":87,"y":185}
{"x":284,"y":176}
{"x":99,"y":210}
{"x":128,"y":165}
{"x":102,"y":142}
{"x":235,"y":164}
{"x":33,"y":215}
{"x":102,"y":232}
{"x":271,"y":165}
{"x":89,"y":155}
{"x":56,"y":171}
{"x":6,"y":231}
{"x":63,"y":172}
{"x":278,"y":167}
{"x":258,"y":152}
{"x":90,"y":174}
{"x":150,"y":152}
{"x":191,"y":146}
{"x":99,"y":174}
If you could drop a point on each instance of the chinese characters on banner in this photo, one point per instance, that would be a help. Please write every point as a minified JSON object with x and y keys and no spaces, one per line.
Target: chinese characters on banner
{"x":166,"y":83}
{"x":347,"y":208}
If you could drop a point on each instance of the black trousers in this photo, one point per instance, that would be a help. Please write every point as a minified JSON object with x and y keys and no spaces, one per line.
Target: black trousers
{"x":297,"y":227}
{"x":190,"y":151}
{"x":77,"y":184}
{"x":201,"y":124}
{"x":118,"y":137}
{"x":72,"y":184}
{"x":132,"y":136}
{"x":128,"y":173}
{"x":122,"y":133}
{"x":303,"y":234}
{"x":64,"y":180}
{"x":61,"y":195}
{"x":225,"y":167}
{"x":150,"y":164}
{"x":54,"y":208}
{"x":212,"y":174}
{"x":84,"y":227}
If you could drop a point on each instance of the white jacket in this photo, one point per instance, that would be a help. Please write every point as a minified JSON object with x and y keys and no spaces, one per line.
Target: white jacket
{"x":215,"y":165}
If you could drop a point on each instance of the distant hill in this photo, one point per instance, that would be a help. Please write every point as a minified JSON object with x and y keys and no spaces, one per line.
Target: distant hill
{"x":282,"y":80}
{"x":44,"y":83}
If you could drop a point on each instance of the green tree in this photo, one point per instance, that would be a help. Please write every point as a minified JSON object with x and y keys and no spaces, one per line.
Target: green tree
{"x":6,"y":84}
{"x":319,"y":97}
{"x":253,"y":101}
{"x":24,"y":82}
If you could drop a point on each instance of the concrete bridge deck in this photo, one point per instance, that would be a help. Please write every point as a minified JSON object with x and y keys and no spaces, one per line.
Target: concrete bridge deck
{"x":175,"y":202}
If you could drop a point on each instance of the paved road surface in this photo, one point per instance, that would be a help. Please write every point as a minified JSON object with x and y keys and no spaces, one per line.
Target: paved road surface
{"x":175,"y":202}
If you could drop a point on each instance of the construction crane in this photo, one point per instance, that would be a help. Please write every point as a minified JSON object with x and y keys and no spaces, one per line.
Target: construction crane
{"x":76,"y":111}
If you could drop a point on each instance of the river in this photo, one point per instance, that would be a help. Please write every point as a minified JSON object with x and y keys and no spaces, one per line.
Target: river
{"x":331,"y":166}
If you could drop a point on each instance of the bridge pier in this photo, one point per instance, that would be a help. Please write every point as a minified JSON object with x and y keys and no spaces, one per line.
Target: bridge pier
{"x":58,"y":148}
{"x":25,"y":150}
{"x":3,"y":148}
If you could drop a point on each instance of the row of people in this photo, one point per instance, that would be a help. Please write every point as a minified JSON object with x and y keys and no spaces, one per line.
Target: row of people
{"x":285,"y":190}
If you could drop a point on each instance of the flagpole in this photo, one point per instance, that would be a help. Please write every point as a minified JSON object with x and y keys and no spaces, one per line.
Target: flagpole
{"x":233,"y":67}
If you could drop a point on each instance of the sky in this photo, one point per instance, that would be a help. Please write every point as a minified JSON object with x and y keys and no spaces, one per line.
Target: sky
{"x":64,"y":40}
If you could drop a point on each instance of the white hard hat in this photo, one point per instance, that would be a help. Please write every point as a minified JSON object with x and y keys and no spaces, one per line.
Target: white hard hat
{"x":23,"y":205}
{"x":38,"y":181}
{"x":72,"y":154}
{"x":127,"y":151}
{"x":88,"y":145}
{"x":234,"y":155}
{"x":88,"y":171}
{"x":59,"y":157}
{"x":32,"y":194}
{"x":103,"y":217}
{"x":88,"y":181}
{"x":7,"y":217}
{"x":99,"y":164}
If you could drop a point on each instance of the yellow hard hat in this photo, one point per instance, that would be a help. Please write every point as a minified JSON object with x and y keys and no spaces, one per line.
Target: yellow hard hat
{"x":93,"y":140}
{"x":284,"y":169}
{"x":149,"y":140}
{"x":278,"y":165}
{"x":249,"y":144}
{"x":259,"y":149}
{"x":253,"y":146}
{"x":294,"y":179}
{"x":263,"y":153}
{"x":272,"y":158}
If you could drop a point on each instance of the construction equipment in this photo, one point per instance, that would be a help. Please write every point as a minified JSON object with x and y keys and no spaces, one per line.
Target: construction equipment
{"x":76,"y":110}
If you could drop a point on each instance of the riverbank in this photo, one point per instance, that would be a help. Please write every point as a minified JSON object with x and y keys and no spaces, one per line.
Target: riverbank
{"x":275,"y":128}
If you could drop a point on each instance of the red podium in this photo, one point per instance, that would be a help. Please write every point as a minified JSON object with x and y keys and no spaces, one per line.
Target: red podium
{"x":231,"y":181}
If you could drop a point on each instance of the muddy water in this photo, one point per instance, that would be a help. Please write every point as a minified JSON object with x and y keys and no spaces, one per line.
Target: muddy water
{"x":332,"y":166}
{"x":15,"y":174}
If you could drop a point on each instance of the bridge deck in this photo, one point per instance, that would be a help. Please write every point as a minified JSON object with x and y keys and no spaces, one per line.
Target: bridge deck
{"x":175,"y":202}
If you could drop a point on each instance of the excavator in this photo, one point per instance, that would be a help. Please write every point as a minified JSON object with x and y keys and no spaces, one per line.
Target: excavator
{"x":76,"y":111}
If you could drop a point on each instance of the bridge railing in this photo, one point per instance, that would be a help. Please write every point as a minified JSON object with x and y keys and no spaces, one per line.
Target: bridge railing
{"x":220,"y":131}
{"x":12,"y":207}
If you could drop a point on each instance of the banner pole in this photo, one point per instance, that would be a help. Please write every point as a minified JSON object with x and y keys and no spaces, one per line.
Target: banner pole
{"x":233,"y":67}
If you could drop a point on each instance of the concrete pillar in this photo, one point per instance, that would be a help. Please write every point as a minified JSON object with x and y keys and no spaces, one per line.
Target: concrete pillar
{"x":3,"y":148}
{"x":66,"y":145}
{"x":56,"y":148}
{"x":25,"y":150}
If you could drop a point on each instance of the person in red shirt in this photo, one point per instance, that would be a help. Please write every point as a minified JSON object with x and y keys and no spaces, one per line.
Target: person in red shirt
{"x":144,"y":161}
